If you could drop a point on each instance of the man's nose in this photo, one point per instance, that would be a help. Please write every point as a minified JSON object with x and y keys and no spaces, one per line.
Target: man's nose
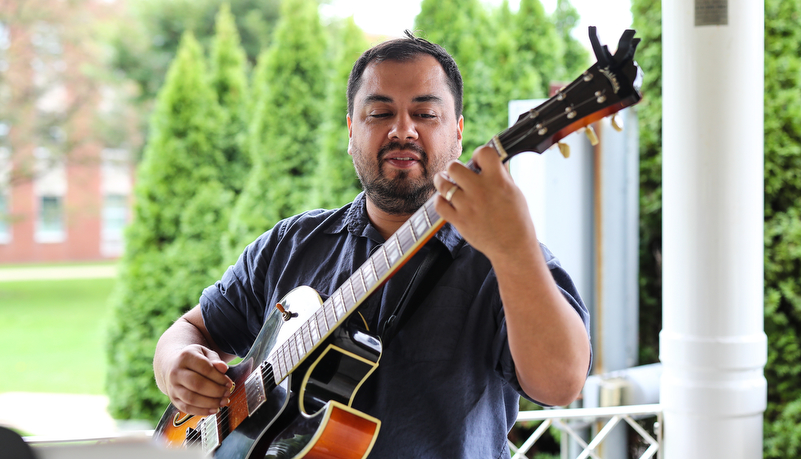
{"x":404,"y":128}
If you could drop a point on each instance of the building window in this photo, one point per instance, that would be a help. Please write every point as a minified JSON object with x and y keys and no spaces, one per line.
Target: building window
{"x":116,"y":186}
{"x":50,"y":221}
{"x":5,"y":43}
{"x":5,"y":227}
{"x":115,"y":216}
{"x":5,"y":201}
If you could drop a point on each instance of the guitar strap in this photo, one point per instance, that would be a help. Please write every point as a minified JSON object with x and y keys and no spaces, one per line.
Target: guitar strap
{"x":425,"y":277}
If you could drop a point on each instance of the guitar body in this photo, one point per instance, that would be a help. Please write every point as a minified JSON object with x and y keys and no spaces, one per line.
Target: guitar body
{"x":305,"y":415}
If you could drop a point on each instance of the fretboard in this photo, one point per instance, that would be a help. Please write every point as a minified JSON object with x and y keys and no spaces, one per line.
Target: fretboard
{"x":371,"y":275}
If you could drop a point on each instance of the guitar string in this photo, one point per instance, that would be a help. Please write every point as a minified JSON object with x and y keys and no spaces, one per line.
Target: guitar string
{"x":547,"y":122}
{"x":236,"y":398}
{"x":519,"y":132}
{"x":238,"y":393}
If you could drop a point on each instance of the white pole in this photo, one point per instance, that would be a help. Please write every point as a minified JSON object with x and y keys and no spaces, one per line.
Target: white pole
{"x":713,"y":346}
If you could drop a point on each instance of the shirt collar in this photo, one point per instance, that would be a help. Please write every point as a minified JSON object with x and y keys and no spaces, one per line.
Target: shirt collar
{"x":355,"y":221}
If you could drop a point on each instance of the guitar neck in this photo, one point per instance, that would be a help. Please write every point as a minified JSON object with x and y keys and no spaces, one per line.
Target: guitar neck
{"x":383,"y":264}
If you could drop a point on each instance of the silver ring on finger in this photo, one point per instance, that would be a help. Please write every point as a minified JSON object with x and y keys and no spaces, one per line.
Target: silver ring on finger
{"x":449,"y":194}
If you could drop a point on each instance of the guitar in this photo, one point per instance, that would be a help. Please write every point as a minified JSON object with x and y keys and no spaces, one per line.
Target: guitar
{"x":292,"y":392}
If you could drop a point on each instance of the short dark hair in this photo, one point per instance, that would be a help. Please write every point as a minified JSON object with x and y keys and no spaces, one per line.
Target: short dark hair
{"x":406,"y":49}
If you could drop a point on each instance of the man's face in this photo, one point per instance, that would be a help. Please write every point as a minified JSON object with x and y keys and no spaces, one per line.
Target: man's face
{"x":403,"y":131}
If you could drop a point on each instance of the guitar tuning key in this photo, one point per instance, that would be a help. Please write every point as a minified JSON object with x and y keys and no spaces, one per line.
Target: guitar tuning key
{"x":591,"y":135}
{"x":564,"y":149}
{"x":617,"y":123}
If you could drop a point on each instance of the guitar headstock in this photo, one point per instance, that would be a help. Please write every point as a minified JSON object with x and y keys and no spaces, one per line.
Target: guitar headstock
{"x":610,"y":85}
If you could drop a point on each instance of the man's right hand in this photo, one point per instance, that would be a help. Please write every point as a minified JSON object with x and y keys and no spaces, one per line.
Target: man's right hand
{"x":196,"y":381}
{"x":189,"y":367}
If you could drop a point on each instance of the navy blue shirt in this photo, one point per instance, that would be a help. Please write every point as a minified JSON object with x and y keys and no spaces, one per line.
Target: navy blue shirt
{"x":445,"y":387}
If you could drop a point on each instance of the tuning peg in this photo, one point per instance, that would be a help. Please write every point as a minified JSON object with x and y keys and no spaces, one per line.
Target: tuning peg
{"x":617,"y":123}
{"x":564,"y":149}
{"x":590,"y":132}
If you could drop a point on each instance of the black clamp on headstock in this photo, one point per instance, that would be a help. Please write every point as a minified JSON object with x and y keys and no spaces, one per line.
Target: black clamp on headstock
{"x":626,"y":47}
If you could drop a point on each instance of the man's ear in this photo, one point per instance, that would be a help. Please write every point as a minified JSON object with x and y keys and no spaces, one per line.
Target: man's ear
{"x":350,"y":133}
{"x":459,"y":130}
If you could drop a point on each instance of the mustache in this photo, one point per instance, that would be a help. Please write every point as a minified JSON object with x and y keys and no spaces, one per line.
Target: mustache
{"x":397,"y":146}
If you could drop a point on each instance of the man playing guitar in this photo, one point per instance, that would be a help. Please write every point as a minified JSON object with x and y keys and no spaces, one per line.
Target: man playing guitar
{"x":503,"y":319}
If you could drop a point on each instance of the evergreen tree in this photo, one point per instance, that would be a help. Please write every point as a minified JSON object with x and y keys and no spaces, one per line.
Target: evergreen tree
{"x":454,"y":24}
{"x":514,"y":77}
{"x":284,"y":137}
{"x":229,"y":81}
{"x":539,"y":44}
{"x":648,"y":24}
{"x":783,"y":228}
{"x":574,"y":55}
{"x":336,"y":182}
{"x":173,"y":241}
{"x":782,"y":211}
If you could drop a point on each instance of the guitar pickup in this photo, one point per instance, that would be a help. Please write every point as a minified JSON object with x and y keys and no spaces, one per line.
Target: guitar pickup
{"x":254,"y":390}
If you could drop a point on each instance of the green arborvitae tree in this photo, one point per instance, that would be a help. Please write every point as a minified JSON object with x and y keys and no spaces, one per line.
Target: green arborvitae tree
{"x":539,"y":43}
{"x":648,"y":24}
{"x":513,"y":78}
{"x":783,"y":228}
{"x":145,"y":62}
{"x":336,"y":182}
{"x":228,"y":65}
{"x":452,"y":24}
{"x":173,"y":240}
{"x":575,"y":57}
{"x":285,"y":131}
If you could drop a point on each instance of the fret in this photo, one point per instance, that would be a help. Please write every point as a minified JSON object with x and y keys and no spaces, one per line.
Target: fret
{"x":330,"y":315}
{"x":339,"y":302}
{"x":298,"y":336}
{"x":315,"y":330}
{"x":359,"y":289}
{"x":286,"y":357}
{"x":431,"y":213}
{"x":368,"y":274}
{"x":420,"y":223}
{"x":404,"y":240}
{"x":294,"y":356}
{"x":411,"y":231}
{"x":380,"y":263}
{"x":280,"y":355}
{"x":308,"y":342}
{"x":364,"y":281}
{"x":321,"y":314}
{"x":349,"y":300}
{"x":392,"y":250}
{"x":278,"y":364}
{"x":275,"y":364}
{"x":425,"y":215}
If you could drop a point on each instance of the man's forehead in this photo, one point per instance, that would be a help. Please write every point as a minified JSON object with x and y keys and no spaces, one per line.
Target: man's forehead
{"x":419,"y":79}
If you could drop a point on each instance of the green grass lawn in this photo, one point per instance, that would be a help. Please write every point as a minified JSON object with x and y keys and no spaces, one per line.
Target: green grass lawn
{"x":52,"y":335}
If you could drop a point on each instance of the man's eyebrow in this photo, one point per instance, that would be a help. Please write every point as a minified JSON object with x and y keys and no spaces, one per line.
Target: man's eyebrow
{"x":428,"y":98}
{"x":377,"y":98}
{"x":372,"y":98}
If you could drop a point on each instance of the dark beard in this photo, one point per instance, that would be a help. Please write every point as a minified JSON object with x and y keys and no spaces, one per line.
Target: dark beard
{"x":398,"y":196}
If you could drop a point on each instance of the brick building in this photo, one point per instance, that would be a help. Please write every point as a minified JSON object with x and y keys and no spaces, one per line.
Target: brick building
{"x":65,"y":183}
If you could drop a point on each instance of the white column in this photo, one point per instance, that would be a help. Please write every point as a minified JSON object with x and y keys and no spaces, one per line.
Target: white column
{"x":713,"y":346}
